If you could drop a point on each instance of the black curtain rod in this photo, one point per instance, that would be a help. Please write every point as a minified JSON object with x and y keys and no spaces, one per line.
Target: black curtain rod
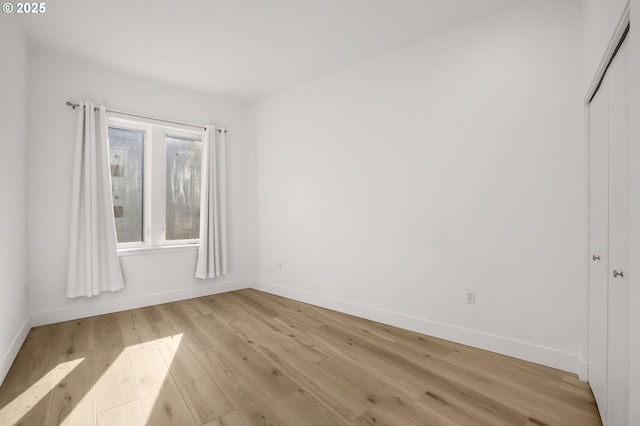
{"x":75,"y":105}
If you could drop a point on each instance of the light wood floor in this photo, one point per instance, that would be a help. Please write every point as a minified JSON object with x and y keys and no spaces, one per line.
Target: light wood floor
{"x":250,"y":358}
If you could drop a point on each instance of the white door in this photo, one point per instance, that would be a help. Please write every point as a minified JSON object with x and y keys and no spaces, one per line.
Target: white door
{"x":609,"y":243}
{"x":618,"y":309}
{"x":598,"y":243}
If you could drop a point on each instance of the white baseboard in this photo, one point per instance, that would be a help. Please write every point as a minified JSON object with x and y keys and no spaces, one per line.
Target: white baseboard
{"x":10,"y":355}
{"x":494,"y":343}
{"x":117,"y":305}
{"x":583,"y":370}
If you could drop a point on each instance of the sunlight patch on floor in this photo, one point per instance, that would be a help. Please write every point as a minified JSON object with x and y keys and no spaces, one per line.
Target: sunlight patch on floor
{"x":137,"y":378}
{"x":116,"y":386}
{"x":151,"y":371}
{"x":22,"y":404}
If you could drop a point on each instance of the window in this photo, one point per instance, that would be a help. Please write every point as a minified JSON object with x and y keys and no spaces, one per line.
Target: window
{"x":155,"y":180}
{"x":126,"y":149}
{"x":182,"y":191}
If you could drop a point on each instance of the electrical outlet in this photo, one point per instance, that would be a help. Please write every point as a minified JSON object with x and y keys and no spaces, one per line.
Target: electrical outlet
{"x":471,"y":297}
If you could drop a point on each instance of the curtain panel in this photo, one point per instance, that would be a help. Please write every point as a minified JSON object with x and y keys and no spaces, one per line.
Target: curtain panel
{"x":212,"y":249}
{"x":93,"y":265}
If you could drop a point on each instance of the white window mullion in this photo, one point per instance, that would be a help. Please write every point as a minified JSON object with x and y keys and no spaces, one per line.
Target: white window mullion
{"x":157,"y":188}
{"x":148,"y":179}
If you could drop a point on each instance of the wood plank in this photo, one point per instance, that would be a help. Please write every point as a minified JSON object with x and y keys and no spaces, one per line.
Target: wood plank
{"x":232,"y":419}
{"x":376,"y":417}
{"x":161,"y":400}
{"x":129,"y":414}
{"x":219,"y":309}
{"x":284,"y":310}
{"x":468,"y":408}
{"x":268,"y":376}
{"x":356,"y":389}
{"x":116,"y":386}
{"x":73,"y":398}
{"x":250,"y":401}
{"x":183,"y":364}
{"x":28,"y":408}
{"x":277,"y":346}
{"x":298,"y":367}
{"x":194,"y":333}
{"x":572,"y":384}
{"x":301,"y":408}
{"x":136,"y":329}
{"x":34,"y":364}
{"x":516,"y":382}
{"x":205,"y":399}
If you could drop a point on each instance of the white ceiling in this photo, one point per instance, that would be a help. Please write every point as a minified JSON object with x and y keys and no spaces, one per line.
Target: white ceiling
{"x":241,"y":48}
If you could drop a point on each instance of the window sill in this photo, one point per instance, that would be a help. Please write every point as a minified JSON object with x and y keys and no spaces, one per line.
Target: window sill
{"x":156,"y":250}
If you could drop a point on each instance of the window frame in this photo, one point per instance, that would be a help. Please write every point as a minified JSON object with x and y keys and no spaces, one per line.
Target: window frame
{"x":154,"y":183}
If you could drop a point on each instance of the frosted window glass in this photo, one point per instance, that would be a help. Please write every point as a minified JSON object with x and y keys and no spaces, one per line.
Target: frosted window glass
{"x":183,"y":158}
{"x":126,"y":152}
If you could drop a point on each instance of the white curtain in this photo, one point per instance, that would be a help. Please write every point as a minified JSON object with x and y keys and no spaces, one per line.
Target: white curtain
{"x":212,"y":250}
{"x":93,"y":265}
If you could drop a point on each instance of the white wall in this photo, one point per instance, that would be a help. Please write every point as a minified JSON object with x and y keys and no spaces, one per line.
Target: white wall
{"x":14,"y":307}
{"x":150,"y":278}
{"x":391,"y":188}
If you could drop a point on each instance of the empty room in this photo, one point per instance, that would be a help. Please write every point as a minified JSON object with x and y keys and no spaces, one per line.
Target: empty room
{"x":320,"y":212}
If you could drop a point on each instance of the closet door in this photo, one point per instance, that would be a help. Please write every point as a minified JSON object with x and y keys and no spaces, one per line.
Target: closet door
{"x":618,"y":297}
{"x":598,"y":243}
{"x":609,"y":243}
